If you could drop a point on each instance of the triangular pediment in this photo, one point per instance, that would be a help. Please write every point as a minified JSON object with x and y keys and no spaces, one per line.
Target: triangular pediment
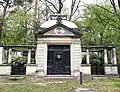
{"x":59,"y":31}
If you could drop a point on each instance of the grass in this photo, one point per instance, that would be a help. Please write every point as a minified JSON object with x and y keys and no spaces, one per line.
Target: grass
{"x":102,"y":85}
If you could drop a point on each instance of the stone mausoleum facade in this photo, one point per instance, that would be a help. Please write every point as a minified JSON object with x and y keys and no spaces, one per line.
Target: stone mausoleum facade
{"x":58,"y":49}
{"x":58,"y":52}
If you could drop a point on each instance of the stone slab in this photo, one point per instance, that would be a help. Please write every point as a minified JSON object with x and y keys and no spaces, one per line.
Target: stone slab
{"x":83,"y":90}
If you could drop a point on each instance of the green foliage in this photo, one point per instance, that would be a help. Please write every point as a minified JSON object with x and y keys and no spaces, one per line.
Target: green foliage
{"x":19,"y":60}
{"x":16,"y":29}
{"x":104,"y":26}
{"x":96,"y":59}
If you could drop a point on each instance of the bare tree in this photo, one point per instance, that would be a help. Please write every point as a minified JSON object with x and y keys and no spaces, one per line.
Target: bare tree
{"x":52,"y":7}
{"x":116,"y":10}
{"x":119,"y":3}
{"x":5,"y":4}
{"x":74,"y":7}
{"x":60,"y":6}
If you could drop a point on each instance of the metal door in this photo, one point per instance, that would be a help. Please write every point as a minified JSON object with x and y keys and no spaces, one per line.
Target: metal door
{"x":58,"y":60}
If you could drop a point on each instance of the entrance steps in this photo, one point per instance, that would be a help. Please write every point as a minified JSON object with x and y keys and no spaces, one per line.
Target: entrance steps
{"x":15,"y":77}
{"x":59,"y":78}
{"x":53,"y":78}
{"x":84,"y":90}
{"x":97,"y":77}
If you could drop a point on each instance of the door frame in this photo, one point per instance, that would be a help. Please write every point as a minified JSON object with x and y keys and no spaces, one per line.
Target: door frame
{"x":71,"y":58}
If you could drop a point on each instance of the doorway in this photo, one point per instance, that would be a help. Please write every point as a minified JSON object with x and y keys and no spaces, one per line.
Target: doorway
{"x":58,"y":60}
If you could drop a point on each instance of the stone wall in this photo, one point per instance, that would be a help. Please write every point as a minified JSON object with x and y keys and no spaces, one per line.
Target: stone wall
{"x":5,"y":69}
{"x":30,"y":69}
{"x":76,"y":56}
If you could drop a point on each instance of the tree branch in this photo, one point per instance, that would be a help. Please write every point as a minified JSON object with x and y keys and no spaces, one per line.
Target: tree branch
{"x":113,"y":4}
{"x":72,"y":12}
{"x":119,"y":4}
{"x":52,"y":5}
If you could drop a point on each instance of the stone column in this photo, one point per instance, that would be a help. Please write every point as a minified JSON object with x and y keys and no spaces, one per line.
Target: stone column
{"x":111,"y":58}
{"x":1,"y":54}
{"x":111,"y":69}
{"x":87,"y":57}
{"x":105,"y":56}
{"x":114,"y":56}
{"x":10,"y":56}
{"x":29,"y":56}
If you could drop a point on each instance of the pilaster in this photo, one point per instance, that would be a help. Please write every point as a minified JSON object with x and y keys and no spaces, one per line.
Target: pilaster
{"x":87,"y":57}
{"x":1,"y":54}
{"x":105,"y":56}
{"x":29,"y":56}
{"x":10,"y":56}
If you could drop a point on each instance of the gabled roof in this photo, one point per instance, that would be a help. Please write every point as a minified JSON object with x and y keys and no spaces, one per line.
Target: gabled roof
{"x":75,"y":31}
{"x":50,"y":23}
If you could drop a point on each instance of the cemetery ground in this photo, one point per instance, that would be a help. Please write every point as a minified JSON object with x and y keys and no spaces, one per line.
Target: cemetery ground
{"x":27,"y":85}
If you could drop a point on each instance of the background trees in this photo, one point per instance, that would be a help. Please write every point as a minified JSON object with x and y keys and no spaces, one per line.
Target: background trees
{"x":30,"y":14}
{"x":100,"y":23}
{"x":101,"y":26}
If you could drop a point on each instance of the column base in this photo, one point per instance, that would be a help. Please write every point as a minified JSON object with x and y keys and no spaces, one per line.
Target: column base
{"x":40,"y":73}
{"x":5,"y":69}
{"x":30,"y":69}
{"x":76,"y":74}
{"x":86,"y":68}
{"x":111,"y":70}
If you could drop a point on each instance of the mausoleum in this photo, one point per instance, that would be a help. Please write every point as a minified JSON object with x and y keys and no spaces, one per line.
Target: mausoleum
{"x":59,"y":53}
{"x":58,"y":50}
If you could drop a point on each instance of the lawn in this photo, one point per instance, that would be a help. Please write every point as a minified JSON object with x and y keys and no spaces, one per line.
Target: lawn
{"x":102,"y":85}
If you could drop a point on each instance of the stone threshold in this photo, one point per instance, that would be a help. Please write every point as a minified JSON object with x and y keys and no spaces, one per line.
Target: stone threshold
{"x":84,"y":90}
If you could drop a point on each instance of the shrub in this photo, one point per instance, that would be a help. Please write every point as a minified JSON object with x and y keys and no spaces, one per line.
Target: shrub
{"x":19,"y":60}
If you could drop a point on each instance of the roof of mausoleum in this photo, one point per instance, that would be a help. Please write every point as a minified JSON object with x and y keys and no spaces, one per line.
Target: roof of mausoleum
{"x":73,"y":30}
{"x":50,"y":23}
{"x":59,"y":22}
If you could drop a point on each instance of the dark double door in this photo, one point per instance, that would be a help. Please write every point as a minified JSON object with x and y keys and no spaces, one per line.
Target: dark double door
{"x":58,"y":62}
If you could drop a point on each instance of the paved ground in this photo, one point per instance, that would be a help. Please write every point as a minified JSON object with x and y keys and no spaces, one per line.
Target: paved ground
{"x":84,"y":90}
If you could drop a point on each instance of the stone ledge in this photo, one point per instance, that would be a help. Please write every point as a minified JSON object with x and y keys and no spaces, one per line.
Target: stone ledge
{"x":14,"y":77}
{"x":112,"y":75}
{"x":85,"y":65}
{"x":110,"y":64}
{"x":31,"y":64}
{"x":5,"y":65}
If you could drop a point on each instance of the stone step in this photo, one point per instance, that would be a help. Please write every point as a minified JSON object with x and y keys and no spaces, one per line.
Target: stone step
{"x":95,"y":77}
{"x":14,"y":77}
{"x":59,"y":78}
{"x":84,"y":90}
